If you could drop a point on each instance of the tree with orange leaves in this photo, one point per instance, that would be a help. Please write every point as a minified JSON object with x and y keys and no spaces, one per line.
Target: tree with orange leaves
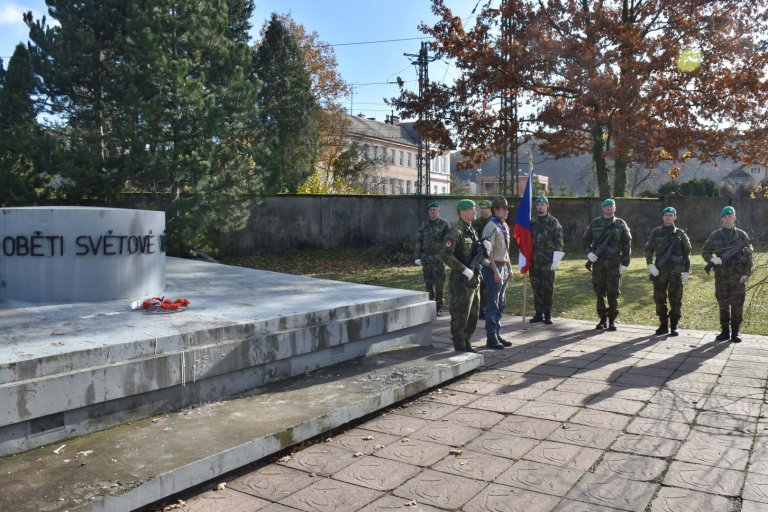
{"x":633,"y":82}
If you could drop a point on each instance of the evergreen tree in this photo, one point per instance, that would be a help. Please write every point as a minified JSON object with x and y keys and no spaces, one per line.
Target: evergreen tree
{"x":288,"y":108}
{"x":21,"y":180}
{"x":157,"y":97}
{"x":81,"y":62}
{"x":194,"y":118}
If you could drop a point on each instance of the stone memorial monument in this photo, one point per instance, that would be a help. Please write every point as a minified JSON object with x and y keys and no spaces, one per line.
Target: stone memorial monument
{"x":67,"y":254}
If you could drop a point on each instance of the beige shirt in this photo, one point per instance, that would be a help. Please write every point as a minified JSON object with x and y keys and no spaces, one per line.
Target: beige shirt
{"x":497,"y":244}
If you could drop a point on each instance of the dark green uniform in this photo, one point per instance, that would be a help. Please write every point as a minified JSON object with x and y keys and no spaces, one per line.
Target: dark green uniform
{"x":479,"y":225}
{"x":428,"y":245}
{"x":606,"y":277}
{"x":547,"y":234}
{"x":668,"y":284}
{"x":730,"y":292}
{"x":457,"y":253}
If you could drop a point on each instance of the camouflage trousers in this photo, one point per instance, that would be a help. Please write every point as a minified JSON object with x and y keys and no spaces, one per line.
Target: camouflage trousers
{"x":668,"y":285}
{"x":543,"y":286}
{"x":730,"y":295}
{"x":465,"y":300}
{"x":433,"y":270}
{"x":606,"y":282}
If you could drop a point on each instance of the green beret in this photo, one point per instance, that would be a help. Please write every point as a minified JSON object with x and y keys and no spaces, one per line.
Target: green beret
{"x":728,"y":210}
{"x":542,"y":199}
{"x":609,"y":202}
{"x":465,"y":204}
{"x":484,"y":204}
{"x":669,"y":209}
{"x":433,"y":204}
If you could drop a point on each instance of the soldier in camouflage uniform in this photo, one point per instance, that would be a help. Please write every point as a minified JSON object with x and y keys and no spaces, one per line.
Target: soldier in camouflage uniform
{"x":730,"y":251}
{"x":669,"y":272}
{"x":462,"y":282}
{"x":479,"y":225}
{"x":547,"y":235}
{"x":609,"y":262}
{"x":429,"y":242}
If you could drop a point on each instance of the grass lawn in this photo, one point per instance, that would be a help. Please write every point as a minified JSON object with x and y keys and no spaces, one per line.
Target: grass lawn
{"x":573,"y":288}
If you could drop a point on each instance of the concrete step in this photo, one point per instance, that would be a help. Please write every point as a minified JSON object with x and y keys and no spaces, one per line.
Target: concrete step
{"x":77,"y":368}
{"x":140,"y":462}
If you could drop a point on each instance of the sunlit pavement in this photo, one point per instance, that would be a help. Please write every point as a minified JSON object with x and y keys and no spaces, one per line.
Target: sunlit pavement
{"x":568,"y":419}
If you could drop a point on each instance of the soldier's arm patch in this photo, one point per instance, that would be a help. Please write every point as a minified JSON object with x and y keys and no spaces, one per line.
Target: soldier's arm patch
{"x":448,"y":243}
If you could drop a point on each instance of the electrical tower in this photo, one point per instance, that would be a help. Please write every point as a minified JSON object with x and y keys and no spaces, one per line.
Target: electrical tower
{"x":508,"y":161}
{"x":425,"y":115}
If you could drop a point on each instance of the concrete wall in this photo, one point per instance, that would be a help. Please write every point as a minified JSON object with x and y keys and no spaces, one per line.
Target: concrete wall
{"x":284,"y":223}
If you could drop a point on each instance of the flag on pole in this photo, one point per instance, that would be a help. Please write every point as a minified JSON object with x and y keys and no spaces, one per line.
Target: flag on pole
{"x":522,"y":230}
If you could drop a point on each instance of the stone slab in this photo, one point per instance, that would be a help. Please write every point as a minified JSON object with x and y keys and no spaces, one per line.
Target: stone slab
{"x":138,"y":463}
{"x":77,"y":368}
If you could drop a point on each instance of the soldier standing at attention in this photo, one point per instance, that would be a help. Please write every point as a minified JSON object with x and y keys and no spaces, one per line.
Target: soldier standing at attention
{"x":463,"y":282}
{"x":608,"y":240}
{"x":547,"y":235}
{"x":729,"y":251}
{"x":497,"y":273}
{"x":479,"y":225}
{"x":669,"y":272}
{"x":432,"y":233}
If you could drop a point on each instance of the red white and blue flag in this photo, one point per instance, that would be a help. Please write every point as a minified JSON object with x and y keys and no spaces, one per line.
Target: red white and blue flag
{"x":522,"y":230}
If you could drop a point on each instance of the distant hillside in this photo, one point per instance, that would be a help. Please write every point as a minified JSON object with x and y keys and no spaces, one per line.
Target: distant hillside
{"x":576,"y":176}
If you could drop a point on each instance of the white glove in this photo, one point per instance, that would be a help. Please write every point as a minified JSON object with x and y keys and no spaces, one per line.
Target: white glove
{"x":555,"y":265}
{"x":418,"y":261}
{"x":468,"y":274}
{"x":653,"y":270}
{"x":716,"y":261}
{"x":592,"y":257}
{"x":743,"y":279}
{"x":558,"y":256}
{"x":684,"y":277}
{"x":622,"y":269}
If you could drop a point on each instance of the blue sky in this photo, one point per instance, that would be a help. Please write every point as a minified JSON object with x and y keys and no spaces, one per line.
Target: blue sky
{"x":337,"y":22}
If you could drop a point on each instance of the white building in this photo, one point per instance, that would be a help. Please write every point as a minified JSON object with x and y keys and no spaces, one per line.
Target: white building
{"x":395,"y":146}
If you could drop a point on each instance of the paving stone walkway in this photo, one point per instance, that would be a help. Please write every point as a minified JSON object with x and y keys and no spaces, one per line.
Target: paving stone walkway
{"x":569,"y":420}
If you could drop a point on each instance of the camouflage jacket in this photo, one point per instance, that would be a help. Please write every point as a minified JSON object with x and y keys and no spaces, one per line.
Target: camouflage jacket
{"x":457,"y":249}
{"x":547,"y":234}
{"x":618,"y":249}
{"x":721,"y":241}
{"x":430,"y":239}
{"x":679,"y":258}
{"x":479,"y":225}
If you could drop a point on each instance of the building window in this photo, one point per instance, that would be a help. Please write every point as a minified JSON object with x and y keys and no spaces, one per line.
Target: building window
{"x":408,"y":183}
{"x":392,"y":157}
{"x":374,"y":152}
{"x":409,"y":160}
{"x":402,"y":159}
{"x":443,"y":189}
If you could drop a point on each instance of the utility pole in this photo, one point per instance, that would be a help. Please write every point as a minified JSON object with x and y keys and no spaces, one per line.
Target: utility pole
{"x":508,"y":169}
{"x":425,"y":115}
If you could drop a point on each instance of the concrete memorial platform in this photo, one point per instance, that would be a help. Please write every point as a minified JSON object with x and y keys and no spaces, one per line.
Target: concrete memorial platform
{"x":70,"y":369}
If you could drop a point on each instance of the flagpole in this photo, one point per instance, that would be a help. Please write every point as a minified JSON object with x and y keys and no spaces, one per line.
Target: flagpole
{"x":530,"y":194}
{"x":522,"y":234}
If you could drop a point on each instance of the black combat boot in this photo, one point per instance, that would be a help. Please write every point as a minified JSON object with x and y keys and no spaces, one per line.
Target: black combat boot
{"x":503,"y":341}
{"x":735,"y":333}
{"x":548,"y":317}
{"x":673,"y":326}
{"x":725,"y":333}
{"x":612,"y":323}
{"x":537,"y":317}
{"x":493,"y":342}
{"x":663,"y":326}
{"x":601,"y":324}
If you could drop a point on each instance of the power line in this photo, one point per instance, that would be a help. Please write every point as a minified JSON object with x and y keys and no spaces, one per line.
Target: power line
{"x":372,"y":42}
